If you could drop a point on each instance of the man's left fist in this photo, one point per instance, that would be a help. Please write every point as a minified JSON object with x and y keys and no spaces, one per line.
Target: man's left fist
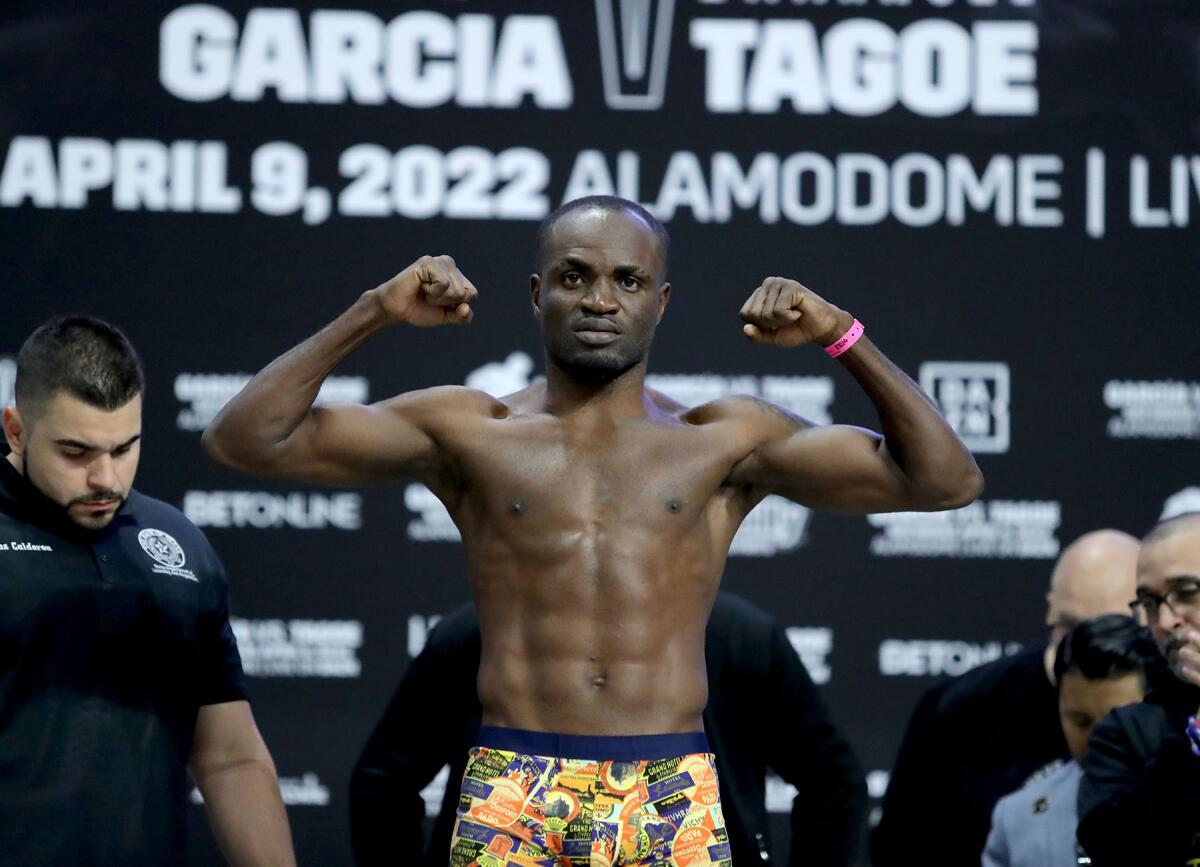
{"x":781,"y":312}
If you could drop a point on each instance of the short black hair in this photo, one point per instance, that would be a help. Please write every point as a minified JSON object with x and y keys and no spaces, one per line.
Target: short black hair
{"x":1105,"y":648}
{"x":87,"y":358}
{"x":612,"y":203}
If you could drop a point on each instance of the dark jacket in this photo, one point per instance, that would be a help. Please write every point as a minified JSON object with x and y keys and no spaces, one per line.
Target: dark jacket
{"x":971,"y":741}
{"x":1139,"y":800}
{"x":763,"y":712}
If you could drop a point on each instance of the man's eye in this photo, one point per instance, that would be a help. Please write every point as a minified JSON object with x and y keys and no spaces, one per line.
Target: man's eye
{"x":630,"y":282}
{"x":1187,"y":592}
{"x":73,"y":453}
{"x":571,"y":278}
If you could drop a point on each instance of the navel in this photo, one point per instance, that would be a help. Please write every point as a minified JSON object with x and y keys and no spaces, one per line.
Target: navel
{"x":517,"y":507}
{"x":674,"y":505}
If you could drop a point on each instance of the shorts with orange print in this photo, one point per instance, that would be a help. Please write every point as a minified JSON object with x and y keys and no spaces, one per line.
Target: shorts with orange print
{"x":537,"y":799}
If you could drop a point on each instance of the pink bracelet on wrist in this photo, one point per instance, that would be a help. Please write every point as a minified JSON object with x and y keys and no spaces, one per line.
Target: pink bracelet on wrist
{"x":847,"y":340}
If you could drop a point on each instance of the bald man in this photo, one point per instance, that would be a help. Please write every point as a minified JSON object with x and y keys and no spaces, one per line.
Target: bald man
{"x":980,"y":736}
{"x":1139,"y":800}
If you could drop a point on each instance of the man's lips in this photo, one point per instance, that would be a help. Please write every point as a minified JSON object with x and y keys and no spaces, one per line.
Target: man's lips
{"x":593,"y":324}
{"x":596,"y":332}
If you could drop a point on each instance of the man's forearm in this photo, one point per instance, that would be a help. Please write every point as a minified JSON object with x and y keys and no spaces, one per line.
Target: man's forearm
{"x":934,"y":460}
{"x":270,"y":407}
{"x":247,"y":815}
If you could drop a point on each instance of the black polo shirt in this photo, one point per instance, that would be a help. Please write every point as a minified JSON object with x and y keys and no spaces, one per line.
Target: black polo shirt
{"x":110,"y":642}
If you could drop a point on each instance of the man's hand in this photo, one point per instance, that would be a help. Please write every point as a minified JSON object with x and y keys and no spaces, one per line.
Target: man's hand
{"x":431,"y":291}
{"x":1189,"y":657}
{"x":781,"y":312}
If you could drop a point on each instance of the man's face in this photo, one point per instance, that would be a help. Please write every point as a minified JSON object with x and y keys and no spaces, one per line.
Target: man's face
{"x":1169,"y":568}
{"x":1082,"y":703}
{"x":599,"y":296}
{"x":79,"y":456}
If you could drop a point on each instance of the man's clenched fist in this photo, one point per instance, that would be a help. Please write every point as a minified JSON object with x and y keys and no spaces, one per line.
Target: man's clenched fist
{"x":781,"y":312}
{"x":430,"y":291}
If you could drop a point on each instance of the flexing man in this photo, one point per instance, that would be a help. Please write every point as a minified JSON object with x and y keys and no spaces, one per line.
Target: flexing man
{"x":596,"y":517}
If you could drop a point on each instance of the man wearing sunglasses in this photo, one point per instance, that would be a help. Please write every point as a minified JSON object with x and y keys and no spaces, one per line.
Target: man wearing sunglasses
{"x":1139,"y":800}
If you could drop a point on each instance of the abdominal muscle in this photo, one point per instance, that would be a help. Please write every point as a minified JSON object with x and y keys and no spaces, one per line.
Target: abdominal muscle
{"x":595,"y":643}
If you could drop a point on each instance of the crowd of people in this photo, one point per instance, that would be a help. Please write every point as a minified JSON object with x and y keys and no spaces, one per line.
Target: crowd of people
{"x":586,"y":727}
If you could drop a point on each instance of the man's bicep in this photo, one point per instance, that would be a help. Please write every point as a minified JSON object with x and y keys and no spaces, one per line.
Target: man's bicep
{"x":351,"y":443}
{"x":835,"y":467}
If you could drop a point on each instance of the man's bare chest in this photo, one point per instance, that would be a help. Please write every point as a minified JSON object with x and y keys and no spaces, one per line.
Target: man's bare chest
{"x":641,"y":471}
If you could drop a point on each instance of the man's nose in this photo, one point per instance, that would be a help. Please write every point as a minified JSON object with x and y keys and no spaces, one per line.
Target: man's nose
{"x":600,"y":299}
{"x":102,"y":475}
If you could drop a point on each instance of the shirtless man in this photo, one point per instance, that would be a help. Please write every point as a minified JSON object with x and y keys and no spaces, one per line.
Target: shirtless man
{"x":596,"y":517}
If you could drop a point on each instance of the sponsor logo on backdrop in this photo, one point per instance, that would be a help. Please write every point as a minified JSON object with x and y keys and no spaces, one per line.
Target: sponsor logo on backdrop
{"x":166,"y":553}
{"x":302,"y":791}
{"x":813,"y":644}
{"x":999,"y":529}
{"x":1182,"y":503}
{"x":8,"y":382}
{"x":203,"y":394}
{"x":635,"y":50}
{"x":1153,"y":409}
{"x":299,"y":648}
{"x":264,"y":510}
{"x":419,"y":627}
{"x":974,"y":397}
{"x":919,"y":658}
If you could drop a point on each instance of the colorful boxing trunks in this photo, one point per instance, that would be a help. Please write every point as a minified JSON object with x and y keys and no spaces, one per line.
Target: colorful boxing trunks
{"x":649,"y":799}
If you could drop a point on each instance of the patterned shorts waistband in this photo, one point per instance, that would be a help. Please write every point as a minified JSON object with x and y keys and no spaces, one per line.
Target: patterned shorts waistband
{"x":615,"y":748}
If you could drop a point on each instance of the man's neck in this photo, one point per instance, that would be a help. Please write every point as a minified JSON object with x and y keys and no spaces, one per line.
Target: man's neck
{"x":623,"y":396}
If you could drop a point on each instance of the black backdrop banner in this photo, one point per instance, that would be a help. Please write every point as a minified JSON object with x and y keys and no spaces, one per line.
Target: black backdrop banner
{"x":1004,"y":191}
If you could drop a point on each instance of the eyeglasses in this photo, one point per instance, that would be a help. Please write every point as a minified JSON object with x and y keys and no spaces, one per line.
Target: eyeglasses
{"x":1181,"y":600}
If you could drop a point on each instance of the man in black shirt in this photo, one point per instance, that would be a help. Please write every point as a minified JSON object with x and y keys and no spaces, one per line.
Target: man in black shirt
{"x":1139,"y":800}
{"x":763,"y":712}
{"x":974,"y":739}
{"x":118,"y":668}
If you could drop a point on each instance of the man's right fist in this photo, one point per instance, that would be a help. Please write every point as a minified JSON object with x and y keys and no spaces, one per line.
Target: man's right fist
{"x":430,"y":291}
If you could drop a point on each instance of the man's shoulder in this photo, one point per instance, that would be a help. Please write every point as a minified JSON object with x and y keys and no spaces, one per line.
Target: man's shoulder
{"x":457,"y":399}
{"x":1050,"y":789}
{"x":740,"y":408}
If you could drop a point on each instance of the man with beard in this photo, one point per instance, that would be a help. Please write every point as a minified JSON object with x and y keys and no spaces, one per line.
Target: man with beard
{"x":596,"y":517}
{"x":118,"y":669}
{"x":1139,"y":800}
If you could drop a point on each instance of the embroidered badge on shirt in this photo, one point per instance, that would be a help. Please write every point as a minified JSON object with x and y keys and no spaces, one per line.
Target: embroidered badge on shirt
{"x":167,"y":554}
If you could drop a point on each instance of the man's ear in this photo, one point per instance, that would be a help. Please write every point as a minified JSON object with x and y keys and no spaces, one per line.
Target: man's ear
{"x":14,"y":429}
{"x":664,"y":295}
{"x":535,"y":294}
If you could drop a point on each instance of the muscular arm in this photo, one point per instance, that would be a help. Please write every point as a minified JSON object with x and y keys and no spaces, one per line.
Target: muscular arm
{"x":919,"y":463}
{"x":272,"y":427}
{"x":235,"y":774}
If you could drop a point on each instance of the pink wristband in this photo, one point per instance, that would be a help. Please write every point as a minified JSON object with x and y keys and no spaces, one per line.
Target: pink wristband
{"x":847,"y":340}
